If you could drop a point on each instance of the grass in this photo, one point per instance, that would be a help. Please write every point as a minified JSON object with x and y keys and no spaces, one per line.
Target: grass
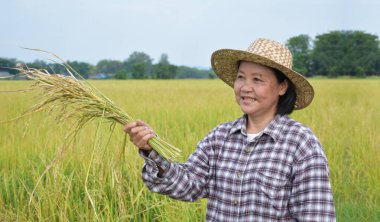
{"x":93,"y":181}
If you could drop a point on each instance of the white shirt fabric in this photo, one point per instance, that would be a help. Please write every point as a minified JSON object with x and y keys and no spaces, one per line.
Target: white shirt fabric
{"x":252,"y":136}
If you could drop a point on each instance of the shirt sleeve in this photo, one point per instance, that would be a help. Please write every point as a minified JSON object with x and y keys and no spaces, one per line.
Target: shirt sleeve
{"x":182,"y":181}
{"x":311,"y":198}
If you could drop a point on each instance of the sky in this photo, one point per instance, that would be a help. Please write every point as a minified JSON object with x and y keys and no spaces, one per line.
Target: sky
{"x":187,"y":31}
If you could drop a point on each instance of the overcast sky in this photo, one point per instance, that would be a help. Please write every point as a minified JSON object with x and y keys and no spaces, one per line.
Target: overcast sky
{"x":188,"y":31}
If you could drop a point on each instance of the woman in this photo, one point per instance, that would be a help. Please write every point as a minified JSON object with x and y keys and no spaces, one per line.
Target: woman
{"x":263,"y":166}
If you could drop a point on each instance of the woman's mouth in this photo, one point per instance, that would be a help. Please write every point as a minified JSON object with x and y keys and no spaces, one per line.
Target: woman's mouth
{"x":247,"y":99}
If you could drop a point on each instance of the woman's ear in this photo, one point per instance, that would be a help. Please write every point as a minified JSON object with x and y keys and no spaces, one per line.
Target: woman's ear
{"x":283,"y":87}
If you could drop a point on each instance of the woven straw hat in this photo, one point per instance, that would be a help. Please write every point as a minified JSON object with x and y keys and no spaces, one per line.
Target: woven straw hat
{"x":265,"y":52}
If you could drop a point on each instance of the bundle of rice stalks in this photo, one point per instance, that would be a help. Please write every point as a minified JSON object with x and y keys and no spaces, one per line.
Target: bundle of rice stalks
{"x":77,"y":99}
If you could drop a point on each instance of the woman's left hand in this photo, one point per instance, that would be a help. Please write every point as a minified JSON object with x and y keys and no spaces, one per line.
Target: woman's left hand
{"x":140,"y":133}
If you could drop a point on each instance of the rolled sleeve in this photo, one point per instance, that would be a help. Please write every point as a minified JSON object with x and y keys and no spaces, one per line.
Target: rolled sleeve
{"x":151,"y":171}
{"x":182,"y":181}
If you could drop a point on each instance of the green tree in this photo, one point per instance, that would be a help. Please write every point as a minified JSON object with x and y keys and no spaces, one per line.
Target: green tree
{"x":346,"y":53}
{"x":300,"y":46}
{"x":7,"y":65}
{"x":163,"y":69}
{"x":121,"y":74}
{"x":57,"y":68}
{"x":108,"y":66}
{"x":211,"y":74}
{"x":139,"y":62}
{"x":164,"y":59}
{"x":50,"y":67}
{"x":83,"y":68}
{"x":138,"y":71}
{"x":37,"y":64}
{"x":185,"y":72}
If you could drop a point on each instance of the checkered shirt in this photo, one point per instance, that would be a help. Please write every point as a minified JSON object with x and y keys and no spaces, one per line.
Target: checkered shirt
{"x":282,"y":175}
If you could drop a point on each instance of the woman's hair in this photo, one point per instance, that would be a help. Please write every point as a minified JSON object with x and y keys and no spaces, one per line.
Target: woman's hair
{"x":287,"y":101}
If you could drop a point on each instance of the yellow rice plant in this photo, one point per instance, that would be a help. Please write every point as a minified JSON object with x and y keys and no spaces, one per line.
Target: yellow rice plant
{"x":72,"y":98}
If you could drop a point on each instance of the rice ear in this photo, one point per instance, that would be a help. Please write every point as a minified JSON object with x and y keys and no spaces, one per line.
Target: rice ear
{"x":77,"y":99}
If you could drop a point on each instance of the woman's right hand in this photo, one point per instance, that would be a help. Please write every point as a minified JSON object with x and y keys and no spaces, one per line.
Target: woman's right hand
{"x":139,"y":133}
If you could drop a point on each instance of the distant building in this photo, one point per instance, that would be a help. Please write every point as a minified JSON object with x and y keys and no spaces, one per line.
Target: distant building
{"x":4,"y":74}
{"x":99,"y":76}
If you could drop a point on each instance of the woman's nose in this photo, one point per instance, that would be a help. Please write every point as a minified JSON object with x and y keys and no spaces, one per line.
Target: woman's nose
{"x":246,"y":87}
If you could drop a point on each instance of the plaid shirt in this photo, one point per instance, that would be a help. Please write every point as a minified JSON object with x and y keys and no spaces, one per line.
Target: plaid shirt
{"x":282,"y":175}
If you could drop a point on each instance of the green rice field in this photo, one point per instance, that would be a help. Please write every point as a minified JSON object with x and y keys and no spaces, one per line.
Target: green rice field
{"x":98,"y":178}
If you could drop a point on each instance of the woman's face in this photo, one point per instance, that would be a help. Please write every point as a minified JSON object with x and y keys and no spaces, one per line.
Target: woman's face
{"x":257,"y":90}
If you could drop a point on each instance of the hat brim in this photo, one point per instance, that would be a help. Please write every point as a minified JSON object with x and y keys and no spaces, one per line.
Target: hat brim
{"x":225,"y":64}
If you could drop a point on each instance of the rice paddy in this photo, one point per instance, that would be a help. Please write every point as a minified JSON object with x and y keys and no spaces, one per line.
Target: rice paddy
{"x":98,"y":178}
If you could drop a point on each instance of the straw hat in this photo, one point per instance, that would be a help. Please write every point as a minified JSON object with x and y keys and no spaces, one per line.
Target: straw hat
{"x":265,"y":52}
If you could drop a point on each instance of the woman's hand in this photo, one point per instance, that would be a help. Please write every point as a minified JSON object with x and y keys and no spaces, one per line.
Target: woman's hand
{"x":139,"y":133}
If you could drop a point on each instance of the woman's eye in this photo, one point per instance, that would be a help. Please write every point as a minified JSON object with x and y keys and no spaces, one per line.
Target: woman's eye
{"x":257,"y":80}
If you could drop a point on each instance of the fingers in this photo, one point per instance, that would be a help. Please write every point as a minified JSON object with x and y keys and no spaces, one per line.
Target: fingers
{"x":131,"y":125}
{"x":139,"y":133}
{"x":144,"y":142}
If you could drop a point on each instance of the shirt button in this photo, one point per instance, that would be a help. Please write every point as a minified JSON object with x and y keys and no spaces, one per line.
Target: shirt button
{"x":246,"y":150}
{"x":235,"y":201}
{"x":238,"y":174}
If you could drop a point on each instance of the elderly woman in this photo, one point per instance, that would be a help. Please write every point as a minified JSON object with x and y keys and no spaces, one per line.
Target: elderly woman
{"x":264,"y":166}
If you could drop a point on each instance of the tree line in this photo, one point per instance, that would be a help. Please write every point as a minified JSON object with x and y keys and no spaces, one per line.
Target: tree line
{"x":138,"y":65}
{"x":337,"y":53}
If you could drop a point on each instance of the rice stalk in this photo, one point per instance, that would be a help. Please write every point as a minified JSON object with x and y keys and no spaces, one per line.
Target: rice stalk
{"x":70,"y":98}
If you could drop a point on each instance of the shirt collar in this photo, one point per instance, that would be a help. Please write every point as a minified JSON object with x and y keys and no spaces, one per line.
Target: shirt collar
{"x":240,"y":125}
{"x":273,"y":129}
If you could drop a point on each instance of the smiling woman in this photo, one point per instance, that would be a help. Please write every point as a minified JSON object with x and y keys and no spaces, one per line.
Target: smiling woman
{"x":264,"y":166}
{"x":257,"y":91}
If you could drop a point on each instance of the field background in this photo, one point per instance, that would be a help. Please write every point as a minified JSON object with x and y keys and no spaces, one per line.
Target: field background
{"x":95,"y":180}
